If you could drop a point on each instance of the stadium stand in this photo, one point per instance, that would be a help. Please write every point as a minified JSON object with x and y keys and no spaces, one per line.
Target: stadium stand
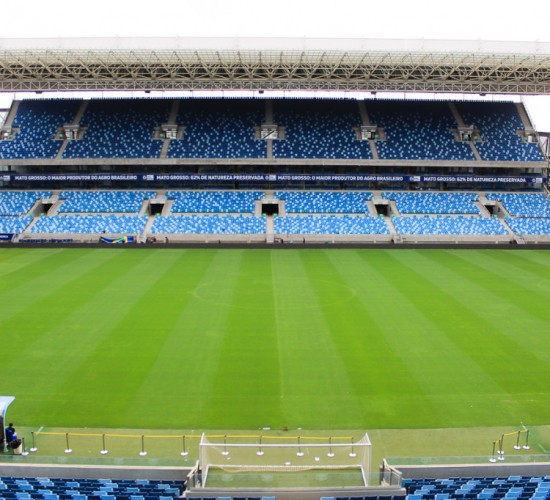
{"x":330,"y":224}
{"x":530,"y":226}
{"x":219,"y":128}
{"x":447,"y":225}
{"x":20,"y":202}
{"x":209,"y":224}
{"x":214,"y":201}
{"x":324,"y":201}
{"x":81,"y":489}
{"x":319,"y":129}
{"x":103,"y":201}
{"x":228,"y":128}
{"x":434,"y":203}
{"x":417,"y":130}
{"x":523,"y":204}
{"x":89,"y":224}
{"x":498,"y":123}
{"x":511,"y":487}
{"x":120,"y":128}
{"x":38,"y":122}
{"x":14,"y":224}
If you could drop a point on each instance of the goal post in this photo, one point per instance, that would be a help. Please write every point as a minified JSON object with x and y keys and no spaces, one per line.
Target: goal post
{"x":263,"y":454}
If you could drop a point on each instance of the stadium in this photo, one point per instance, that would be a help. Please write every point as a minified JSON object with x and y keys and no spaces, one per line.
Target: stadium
{"x":234,"y":287}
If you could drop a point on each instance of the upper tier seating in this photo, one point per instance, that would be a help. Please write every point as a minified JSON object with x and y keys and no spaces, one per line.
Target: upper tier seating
{"x":209,"y":224}
{"x":444,"y":225}
{"x":90,"y":224}
{"x":523,"y":204}
{"x":38,"y":122}
{"x":81,"y":489}
{"x":214,"y":201}
{"x":511,"y":487}
{"x":498,"y":123}
{"x":433,"y":203}
{"x":13,"y":225}
{"x":227,"y":128}
{"x":325,"y":201}
{"x":318,"y":129}
{"x":103,"y":201}
{"x":329,"y":224}
{"x":417,"y":130}
{"x":19,"y":202}
{"x":120,"y":128}
{"x":219,"y":128}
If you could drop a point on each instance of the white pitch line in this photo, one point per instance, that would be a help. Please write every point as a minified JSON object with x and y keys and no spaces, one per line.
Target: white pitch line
{"x":542,"y":448}
{"x":41,"y":428}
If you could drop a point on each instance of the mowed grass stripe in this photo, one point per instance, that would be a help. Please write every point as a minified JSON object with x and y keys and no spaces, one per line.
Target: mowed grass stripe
{"x":11,"y":262}
{"x":66,"y":288}
{"x":499,"y":293}
{"x":378,"y":375}
{"x":447,"y":375}
{"x":502,"y":358}
{"x":131,"y":343}
{"x":368,"y":361}
{"x":247,"y":385}
{"x":526,"y":264}
{"x":429,"y":363}
{"x":316,"y":391}
{"x":48,"y":372}
{"x":25,"y":287}
{"x":178,"y":387}
{"x":520,"y":322}
{"x":512,"y":286}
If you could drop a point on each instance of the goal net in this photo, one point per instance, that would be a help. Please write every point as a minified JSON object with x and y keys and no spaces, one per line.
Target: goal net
{"x":276,"y":454}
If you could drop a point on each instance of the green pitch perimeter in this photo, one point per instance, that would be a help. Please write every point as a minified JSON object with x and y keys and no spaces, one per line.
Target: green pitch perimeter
{"x":242,"y":339}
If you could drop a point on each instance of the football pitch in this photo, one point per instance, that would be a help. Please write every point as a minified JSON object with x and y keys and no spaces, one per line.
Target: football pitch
{"x":298,"y":338}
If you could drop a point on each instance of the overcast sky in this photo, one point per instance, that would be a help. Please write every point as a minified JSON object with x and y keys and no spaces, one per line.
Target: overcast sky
{"x":430,"y":19}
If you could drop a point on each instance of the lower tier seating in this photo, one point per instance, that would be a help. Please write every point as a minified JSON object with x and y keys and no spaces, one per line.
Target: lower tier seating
{"x":523,"y":204}
{"x":330,"y":224}
{"x":90,"y":224}
{"x":433,"y":203}
{"x":442,"y":225}
{"x":19,"y":202}
{"x":209,"y":224}
{"x":325,"y":201}
{"x":13,"y":225}
{"x":511,"y":487}
{"x":529,"y":225}
{"x":82,"y":489}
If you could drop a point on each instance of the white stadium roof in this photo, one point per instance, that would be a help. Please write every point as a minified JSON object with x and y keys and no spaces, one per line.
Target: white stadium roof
{"x":83,"y":64}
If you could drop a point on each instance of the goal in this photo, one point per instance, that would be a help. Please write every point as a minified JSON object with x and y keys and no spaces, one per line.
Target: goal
{"x":283,"y":454}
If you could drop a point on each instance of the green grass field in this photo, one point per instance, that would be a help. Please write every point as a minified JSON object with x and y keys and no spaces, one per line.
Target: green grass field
{"x":243,"y":339}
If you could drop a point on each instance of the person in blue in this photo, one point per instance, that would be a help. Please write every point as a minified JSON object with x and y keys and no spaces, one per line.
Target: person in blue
{"x":11,"y":435}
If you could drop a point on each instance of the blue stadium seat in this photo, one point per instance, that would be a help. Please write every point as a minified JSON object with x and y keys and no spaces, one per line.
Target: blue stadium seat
{"x":330,"y":224}
{"x":327,"y":202}
{"x":120,"y":128}
{"x":319,"y":129}
{"x":196,"y":202}
{"x":103,"y":201}
{"x":417,"y":130}
{"x":219,"y":128}
{"x":498,"y":123}
{"x":38,"y":121}
{"x":209,"y":224}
